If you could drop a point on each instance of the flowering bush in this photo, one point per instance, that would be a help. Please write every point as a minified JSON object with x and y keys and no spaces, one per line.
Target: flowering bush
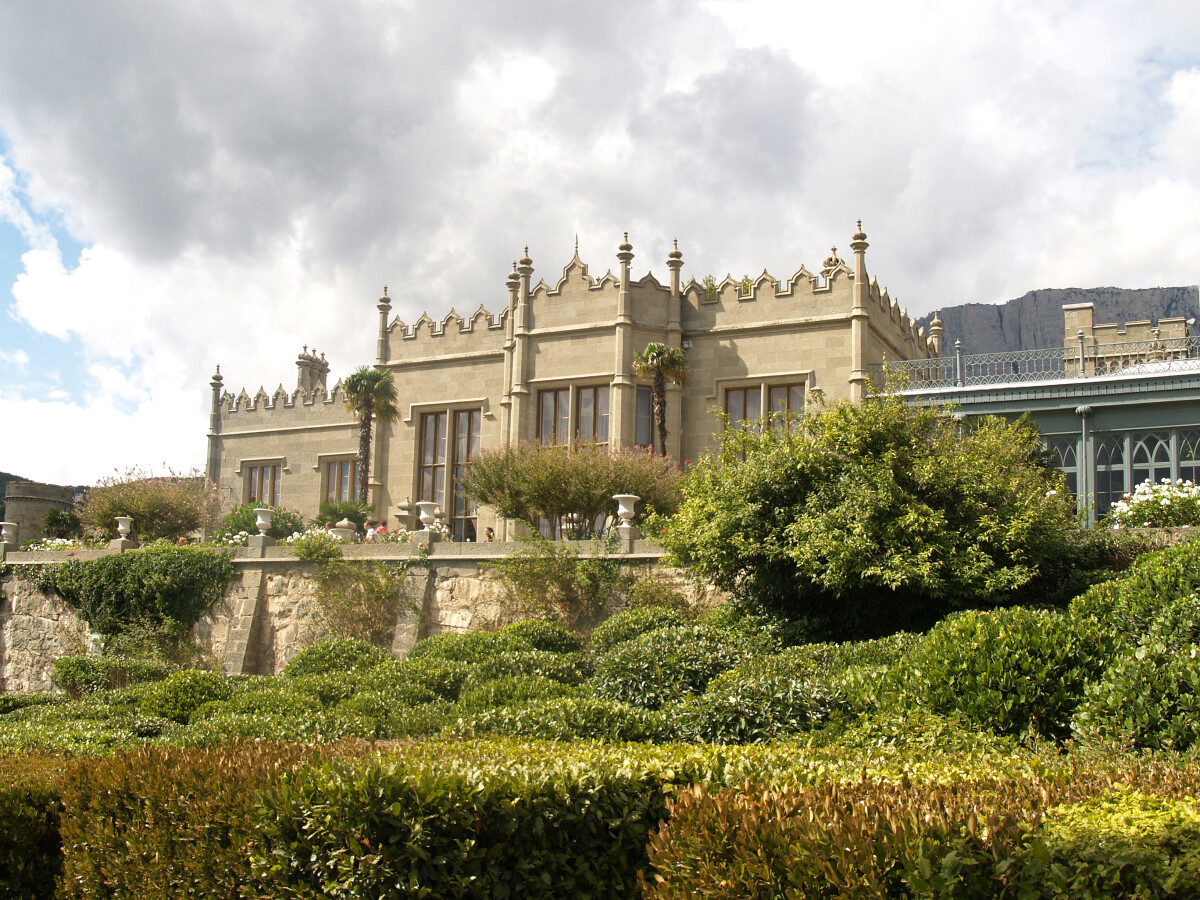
{"x":61,"y":544}
{"x":162,"y":506}
{"x":244,"y":519}
{"x":315,"y":544}
{"x":231,"y":539}
{"x":1162,"y":505}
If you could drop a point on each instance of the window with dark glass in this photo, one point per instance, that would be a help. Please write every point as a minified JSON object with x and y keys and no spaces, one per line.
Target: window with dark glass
{"x":262,"y":485}
{"x":464,"y":515}
{"x":743,"y":406}
{"x":554,"y":416}
{"x":784,"y":401}
{"x":593,"y":414}
{"x":432,"y":476}
{"x":1110,"y":472}
{"x":643,"y":434}
{"x":1063,"y":456}
{"x":1189,"y":456}
{"x":341,"y":476}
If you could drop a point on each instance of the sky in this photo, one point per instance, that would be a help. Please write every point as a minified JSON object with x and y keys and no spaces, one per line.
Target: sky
{"x":190,"y":184}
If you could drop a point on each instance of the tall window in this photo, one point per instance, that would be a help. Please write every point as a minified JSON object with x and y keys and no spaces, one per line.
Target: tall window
{"x":1151,"y":459}
{"x":554,"y":416}
{"x":1189,"y":456}
{"x":785,"y":400}
{"x":464,"y":515}
{"x":1110,"y":472}
{"x":262,"y":485}
{"x":1063,"y":458}
{"x":433,"y":457}
{"x":341,"y":476}
{"x":743,"y":406}
{"x":643,"y":435}
{"x":593,"y":414}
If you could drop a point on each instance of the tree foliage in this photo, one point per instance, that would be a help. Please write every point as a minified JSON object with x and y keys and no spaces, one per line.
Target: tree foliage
{"x":284,"y":522}
{"x":869,"y":518}
{"x":370,"y":395}
{"x":162,"y":506}
{"x":528,"y":481}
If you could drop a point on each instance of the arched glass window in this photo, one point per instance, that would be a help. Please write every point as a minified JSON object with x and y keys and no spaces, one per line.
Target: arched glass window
{"x":1189,"y":456}
{"x":1062,"y":457}
{"x":1151,"y":458}
{"x":1110,"y":471}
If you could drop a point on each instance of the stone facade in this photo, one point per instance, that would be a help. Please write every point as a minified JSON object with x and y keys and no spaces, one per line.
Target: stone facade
{"x":35,"y":630}
{"x":555,"y":365}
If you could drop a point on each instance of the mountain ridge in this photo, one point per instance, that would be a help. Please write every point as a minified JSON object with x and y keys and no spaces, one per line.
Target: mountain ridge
{"x":1035,"y":320}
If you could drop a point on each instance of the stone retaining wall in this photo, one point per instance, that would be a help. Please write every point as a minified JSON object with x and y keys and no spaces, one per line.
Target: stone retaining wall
{"x":270,"y":611}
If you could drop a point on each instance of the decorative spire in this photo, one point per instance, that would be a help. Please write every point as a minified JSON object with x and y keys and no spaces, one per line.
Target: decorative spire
{"x":526,"y":264}
{"x":832,"y":262}
{"x":625,"y":250}
{"x":217,"y":379}
{"x":513,"y":278}
{"x":675,"y":257}
{"x":858,"y":241}
{"x":577,"y":243}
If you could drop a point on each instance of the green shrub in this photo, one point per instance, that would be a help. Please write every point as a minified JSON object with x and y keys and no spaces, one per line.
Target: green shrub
{"x":1011,"y":670}
{"x":328,"y":689}
{"x":182,"y":693}
{"x":284,"y":522}
{"x":529,"y":480}
{"x":1148,"y":698}
{"x":99,"y":724}
{"x":510,"y":690}
{"x":569,"y":719}
{"x":60,"y":523}
{"x":360,"y":600}
{"x":549,"y":636}
{"x":335,"y":655}
{"x":867,"y":518}
{"x":10,"y":701}
{"x":316,"y":546}
{"x":556,"y":581}
{"x":445,"y":678}
{"x":333,"y":511}
{"x":568,"y":668}
{"x":385,"y":716}
{"x":1121,"y":844}
{"x":665,"y":665}
{"x":30,"y":813}
{"x":656,"y":590}
{"x":630,"y":623}
{"x":1127,"y":606}
{"x":471,"y":647}
{"x":278,"y":703}
{"x":154,"y":585}
{"x":167,"y":506}
{"x":79,"y":675}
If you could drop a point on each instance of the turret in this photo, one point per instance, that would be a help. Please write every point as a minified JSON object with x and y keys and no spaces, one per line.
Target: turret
{"x":312,"y":372}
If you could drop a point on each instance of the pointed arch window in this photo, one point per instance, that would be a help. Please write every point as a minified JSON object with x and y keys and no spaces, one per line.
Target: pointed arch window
{"x":1189,"y":456}
{"x":1151,"y":458}
{"x":1063,"y":457}
{"x":1110,"y":471}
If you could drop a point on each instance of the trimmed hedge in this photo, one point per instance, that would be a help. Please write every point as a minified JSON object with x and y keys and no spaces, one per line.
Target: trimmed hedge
{"x":1016,"y":671}
{"x":569,"y":719}
{"x":30,"y":818}
{"x":668,"y":664}
{"x":79,"y":675}
{"x":631,"y":623}
{"x":335,"y":655}
{"x":182,"y":693}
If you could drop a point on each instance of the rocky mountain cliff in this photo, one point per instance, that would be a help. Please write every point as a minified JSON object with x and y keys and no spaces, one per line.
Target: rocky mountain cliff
{"x":1036,"y":320}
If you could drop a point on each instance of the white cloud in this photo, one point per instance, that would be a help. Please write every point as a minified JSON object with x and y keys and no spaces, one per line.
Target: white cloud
{"x":246,"y":178}
{"x":16,"y":358}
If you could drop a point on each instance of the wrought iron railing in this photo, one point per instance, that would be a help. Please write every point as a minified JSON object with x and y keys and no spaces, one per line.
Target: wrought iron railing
{"x":1020,"y":366}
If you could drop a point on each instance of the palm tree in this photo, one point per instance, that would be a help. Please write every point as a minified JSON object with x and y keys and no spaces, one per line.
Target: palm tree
{"x":370,"y":393}
{"x":661,"y":362}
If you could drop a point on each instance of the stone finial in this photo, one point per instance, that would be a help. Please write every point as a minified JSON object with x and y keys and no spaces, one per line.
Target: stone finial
{"x":217,"y":379}
{"x":625,"y":250}
{"x":526,"y":265}
{"x":831,"y":263}
{"x":858,"y":241}
{"x":385,"y":302}
{"x":675,"y":257}
{"x":513,"y":279}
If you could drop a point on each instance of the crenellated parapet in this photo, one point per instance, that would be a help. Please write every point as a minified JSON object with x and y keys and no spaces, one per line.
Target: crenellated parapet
{"x":262,"y":401}
{"x":454,"y":333}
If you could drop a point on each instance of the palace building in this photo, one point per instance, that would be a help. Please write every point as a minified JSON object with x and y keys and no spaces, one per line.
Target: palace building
{"x":553,"y":364}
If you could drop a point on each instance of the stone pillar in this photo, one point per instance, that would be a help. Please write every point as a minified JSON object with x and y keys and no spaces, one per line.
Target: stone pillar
{"x":513,"y":283}
{"x":520,"y":364}
{"x":213,"y":466}
{"x":381,"y":347}
{"x":859,"y":317}
{"x":674,"y":339}
{"x":623,"y":408}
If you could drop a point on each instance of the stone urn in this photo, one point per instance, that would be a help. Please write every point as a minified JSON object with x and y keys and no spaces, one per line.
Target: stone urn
{"x":625,"y":504}
{"x":263,"y":519}
{"x":345,"y":530}
{"x":8,"y":533}
{"x":427,"y":510}
{"x":124,"y":526}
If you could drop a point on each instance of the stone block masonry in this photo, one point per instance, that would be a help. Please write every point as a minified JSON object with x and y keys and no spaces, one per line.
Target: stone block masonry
{"x":270,"y":611}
